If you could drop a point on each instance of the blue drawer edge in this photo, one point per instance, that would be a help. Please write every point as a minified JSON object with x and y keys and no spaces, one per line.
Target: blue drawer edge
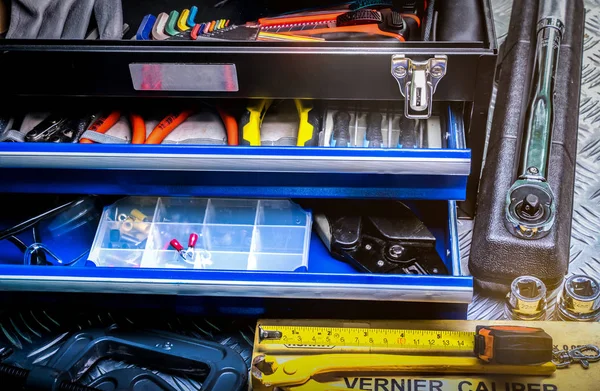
{"x":328,"y":279}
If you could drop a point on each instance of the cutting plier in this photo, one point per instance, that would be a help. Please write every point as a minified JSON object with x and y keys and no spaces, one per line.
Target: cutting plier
{"x":308,"y":128}
{"x":97,"y":130}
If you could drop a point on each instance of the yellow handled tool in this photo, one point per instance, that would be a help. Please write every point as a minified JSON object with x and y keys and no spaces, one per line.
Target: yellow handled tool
{"x":252,"y":120}
{"x":299,"y":371}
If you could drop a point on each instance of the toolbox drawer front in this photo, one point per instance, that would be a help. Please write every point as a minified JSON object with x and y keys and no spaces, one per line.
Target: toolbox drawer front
{"x":239,"y":171}
{"x":326,"y":278}
{"x":347,"y":72}
{"x":356,"y":67}
{"x":351,"y":68}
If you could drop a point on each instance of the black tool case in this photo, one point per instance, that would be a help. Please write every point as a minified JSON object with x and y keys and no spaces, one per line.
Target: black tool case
{"x":497,"y":257}
{"x":54,"y":74}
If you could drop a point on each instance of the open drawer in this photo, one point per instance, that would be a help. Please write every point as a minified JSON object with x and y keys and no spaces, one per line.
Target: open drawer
{"x":37,"y":66}
{"x":321,"y":277}
{"x":416,"y":159}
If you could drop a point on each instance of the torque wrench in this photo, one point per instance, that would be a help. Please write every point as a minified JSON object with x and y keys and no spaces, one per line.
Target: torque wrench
{"x":530,"y":205}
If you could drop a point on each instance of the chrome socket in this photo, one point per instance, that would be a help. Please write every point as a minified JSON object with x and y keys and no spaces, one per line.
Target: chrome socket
{"x":526,"y":299}
{"x":580,"y":300}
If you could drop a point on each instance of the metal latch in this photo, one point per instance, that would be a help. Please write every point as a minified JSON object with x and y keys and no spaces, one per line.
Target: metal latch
{"x":418,"y":81}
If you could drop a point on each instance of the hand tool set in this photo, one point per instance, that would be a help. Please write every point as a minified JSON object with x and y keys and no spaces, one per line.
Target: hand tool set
{"x":263,"y":122}
{"x":233,"y":234}
{"x":45,"y":349}
{"x":188,"y":79}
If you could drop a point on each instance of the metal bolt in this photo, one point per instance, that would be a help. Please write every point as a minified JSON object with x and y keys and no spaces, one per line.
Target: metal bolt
{"x":368,"y":247}
{"x":533,"y":170}
{"x":400,"y":71}
{"x":380,"y":263}
{"x":437,"y":71}
{"x":396,"y":251}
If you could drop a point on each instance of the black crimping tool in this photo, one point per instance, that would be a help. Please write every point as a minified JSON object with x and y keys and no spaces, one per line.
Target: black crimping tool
{"x":216,"y":366}
{"x":378,"y":237}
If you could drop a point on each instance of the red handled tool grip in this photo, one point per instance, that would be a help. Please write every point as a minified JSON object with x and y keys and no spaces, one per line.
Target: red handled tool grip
{"x":195,"y":31}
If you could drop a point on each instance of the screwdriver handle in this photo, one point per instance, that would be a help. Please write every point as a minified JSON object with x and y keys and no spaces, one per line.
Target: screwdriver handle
{"x":374,"y":137}
{"x":341,"y":130}
{"x":308,"y":130}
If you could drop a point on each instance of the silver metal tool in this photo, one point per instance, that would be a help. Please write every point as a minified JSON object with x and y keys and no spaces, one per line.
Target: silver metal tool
{"x":526,"y":299}
{"x":583,"y":355}
{"x":580,"y":300}
{"x":530,"y":205}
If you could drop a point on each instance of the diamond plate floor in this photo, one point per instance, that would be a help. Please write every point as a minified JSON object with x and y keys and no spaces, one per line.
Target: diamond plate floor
{"x":585,"y":237}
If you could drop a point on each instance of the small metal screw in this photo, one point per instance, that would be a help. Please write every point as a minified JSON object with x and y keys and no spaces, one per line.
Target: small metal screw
{"x":380,"y":263}
{"x":400,"y":72}
{"x":368,"y":247}
{"x":437,"y":71}
{"x":396,"y":251}
{"x":533,"y":170}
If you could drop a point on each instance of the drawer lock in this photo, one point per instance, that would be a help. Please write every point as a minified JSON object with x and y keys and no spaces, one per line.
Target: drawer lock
{"x":418,"y":81}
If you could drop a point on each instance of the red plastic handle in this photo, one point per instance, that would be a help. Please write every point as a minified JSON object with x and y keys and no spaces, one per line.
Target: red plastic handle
{"x":193,"y":240}
{"x":176,"y":245}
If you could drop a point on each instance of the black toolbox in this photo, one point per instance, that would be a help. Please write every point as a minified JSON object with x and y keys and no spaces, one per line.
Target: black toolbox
{"x":48,"y":75}
{"x":39,"y":73}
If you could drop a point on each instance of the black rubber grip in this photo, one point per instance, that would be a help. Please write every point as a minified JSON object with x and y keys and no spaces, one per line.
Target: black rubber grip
{"x":363,"y":16}
{"x":341,"y":129}
{"x":374,"y":136}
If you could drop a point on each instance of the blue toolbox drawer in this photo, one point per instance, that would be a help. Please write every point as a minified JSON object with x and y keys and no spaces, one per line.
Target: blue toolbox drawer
{"x":323,"y":277}
{"x":435,"y":173}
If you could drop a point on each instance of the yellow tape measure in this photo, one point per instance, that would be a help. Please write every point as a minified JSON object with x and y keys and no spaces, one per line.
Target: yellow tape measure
{"x":360,"y":339}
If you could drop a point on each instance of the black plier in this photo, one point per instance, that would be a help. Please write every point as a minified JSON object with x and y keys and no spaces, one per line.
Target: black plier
{"x":378,"y":237}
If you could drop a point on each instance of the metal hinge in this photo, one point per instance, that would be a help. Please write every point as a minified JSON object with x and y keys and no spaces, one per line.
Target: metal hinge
{"x":418,"y":81}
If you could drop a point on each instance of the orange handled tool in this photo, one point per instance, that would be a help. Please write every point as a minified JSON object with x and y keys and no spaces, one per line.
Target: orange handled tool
{"x":104,"y":123}
{"x":166,"y":126}
{"x":231,"y":126}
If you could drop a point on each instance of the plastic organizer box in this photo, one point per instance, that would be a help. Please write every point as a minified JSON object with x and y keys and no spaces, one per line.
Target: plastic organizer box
{"x":233,"y":234}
